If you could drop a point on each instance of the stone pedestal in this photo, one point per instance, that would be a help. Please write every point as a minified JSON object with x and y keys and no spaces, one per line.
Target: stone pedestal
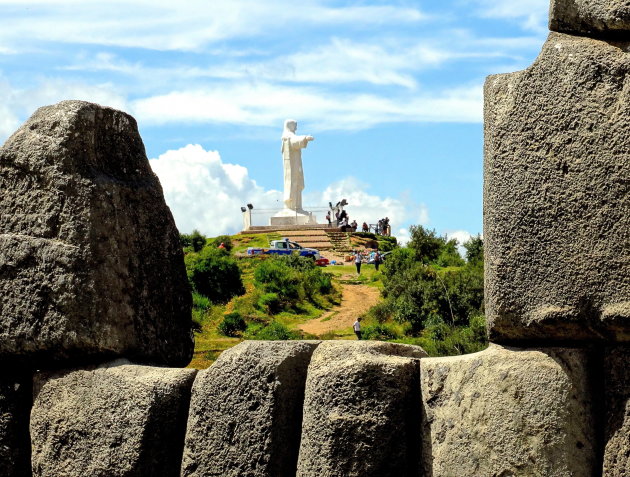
{"x":293,"y":217}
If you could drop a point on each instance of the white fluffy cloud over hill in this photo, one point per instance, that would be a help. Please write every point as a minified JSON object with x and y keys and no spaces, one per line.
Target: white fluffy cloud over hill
{"x":206,"y":194}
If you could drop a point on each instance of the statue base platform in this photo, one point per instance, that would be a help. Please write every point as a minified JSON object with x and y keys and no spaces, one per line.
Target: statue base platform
{"x":293,"y":217}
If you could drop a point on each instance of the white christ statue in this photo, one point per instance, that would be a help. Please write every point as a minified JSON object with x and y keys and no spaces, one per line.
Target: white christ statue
{"x":292,"y":146}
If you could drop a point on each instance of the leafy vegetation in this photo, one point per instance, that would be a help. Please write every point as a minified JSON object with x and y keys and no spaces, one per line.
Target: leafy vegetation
{"x":213,"y":273}
{"x":433,"y":295}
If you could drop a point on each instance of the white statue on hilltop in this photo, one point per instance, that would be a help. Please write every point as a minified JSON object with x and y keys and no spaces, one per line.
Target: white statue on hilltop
{"x":292,"y":146}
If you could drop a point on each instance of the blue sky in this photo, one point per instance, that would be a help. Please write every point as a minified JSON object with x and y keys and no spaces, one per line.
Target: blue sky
{"x":391,"y":90}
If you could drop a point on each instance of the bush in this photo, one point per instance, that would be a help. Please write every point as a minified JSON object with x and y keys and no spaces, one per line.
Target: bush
{"x":232,"y":325}
{"x":275,"y":276}
{"x":381,"y":332}
{"x":226,"y":240}
{"x":214,"y":274}
{"x":195,"y":241}
{"x":387,"y":244}
{"x":293,"y":279}
{"x":270,"y":302}
{"x":276,"y":331}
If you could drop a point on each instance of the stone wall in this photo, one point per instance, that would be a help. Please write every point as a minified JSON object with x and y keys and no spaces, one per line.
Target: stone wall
{"x":87,"y":328}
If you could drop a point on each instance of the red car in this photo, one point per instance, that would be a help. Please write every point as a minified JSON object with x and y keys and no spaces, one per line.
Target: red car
{"x":322,"y":262}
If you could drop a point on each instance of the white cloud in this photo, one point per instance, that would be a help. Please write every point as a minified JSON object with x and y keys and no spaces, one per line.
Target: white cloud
{"x":265,"y":104}
{"x":366,"y":207}
{"x":206,"y":194}
{"x":462,"y":236}
{"x":168,"y":25}
{"x":531,"y":14}
{"x":17,"y":104}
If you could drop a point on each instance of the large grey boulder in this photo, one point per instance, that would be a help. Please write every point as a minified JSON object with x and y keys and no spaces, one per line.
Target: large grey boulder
{"x":15,"y":408}
{"x":361,"y":411}
{"x":617,"y":400}
{"x":590,"y":17}
{"x":246,"y":411}
{"x":118,"y":420}
{"x":557,"y":195}
{"x":508,"y":411}
{"x":90,"y":261}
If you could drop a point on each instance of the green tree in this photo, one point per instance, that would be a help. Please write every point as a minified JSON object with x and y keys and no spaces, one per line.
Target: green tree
{"x":213,"y":273}
{"x":449,"y":255}
{"x":474,"y":249}
{"x":196,"y":240}
{"x":425,"y":243}
{"x":226,"y":240}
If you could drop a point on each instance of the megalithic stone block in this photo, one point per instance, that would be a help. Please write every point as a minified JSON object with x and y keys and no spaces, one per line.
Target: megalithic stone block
{"x":90,"y":261}
{"x":15,"y":409}
{"x":557,"y":195}
{"x":118,"y":420}
{"x":362,"y":411}
{"x":617,"y":400}
{"x":591,"y":17}
{"x":508,"y":411}
{"x":246,"y":411}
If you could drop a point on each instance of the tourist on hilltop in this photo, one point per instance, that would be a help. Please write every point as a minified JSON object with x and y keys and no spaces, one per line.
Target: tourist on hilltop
{"x":357,"y":328}
{"x":328,"y":219}
{"x":366,"y":228}
{"x":377,"y":259}
{"x":358,"y":258}
{"x":344,"y":224}
{"x":354,"y":225}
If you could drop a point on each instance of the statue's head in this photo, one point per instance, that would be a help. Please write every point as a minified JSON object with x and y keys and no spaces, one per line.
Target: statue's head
{"x":290,"y":125}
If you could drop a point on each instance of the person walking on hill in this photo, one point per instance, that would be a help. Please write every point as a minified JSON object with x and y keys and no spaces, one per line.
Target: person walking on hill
{"x":357,"y":328}
{"x":358,"y":258}
{"x":377,"y":259}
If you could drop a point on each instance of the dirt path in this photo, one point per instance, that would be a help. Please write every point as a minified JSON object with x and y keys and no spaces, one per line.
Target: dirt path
{"x":355,"y":299}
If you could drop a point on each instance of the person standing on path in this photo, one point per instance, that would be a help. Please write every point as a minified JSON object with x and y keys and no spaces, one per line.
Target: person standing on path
{"x":358,"y":258}
{"x":357,"y":328}
{"x":377,"y":259}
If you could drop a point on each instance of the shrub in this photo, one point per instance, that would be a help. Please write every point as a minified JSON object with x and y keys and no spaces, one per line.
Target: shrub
{"x":215,"y":275}
{"x":195,"y":240}
{"x":226,"y":240}
{"x":276,"y":331}
{"x":381,"y":311}
{"x":232,"y":325}
{"x":275,"y":276}
{"x":201,"y":302}
{"x":380,"y":332}
{"x":270,"y":302}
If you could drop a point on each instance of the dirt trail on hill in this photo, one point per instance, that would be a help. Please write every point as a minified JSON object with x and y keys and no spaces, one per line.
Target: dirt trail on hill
{"x":355,"y":300}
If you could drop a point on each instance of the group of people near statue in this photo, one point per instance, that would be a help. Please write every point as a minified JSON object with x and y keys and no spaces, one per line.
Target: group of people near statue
{"x":342,"y":218}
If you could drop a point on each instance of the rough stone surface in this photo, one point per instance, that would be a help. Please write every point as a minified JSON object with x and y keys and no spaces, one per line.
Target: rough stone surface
{"x":90,"y":261}
{"x":557,"y":195}
{"x":617,"y":399}
{"x":508,"y":412}
{"x":113,"y":421}
{"x":361,"y":411}
{"x":590,"y":17}
{"x":15,"y":408}
{"x":246,"y":411}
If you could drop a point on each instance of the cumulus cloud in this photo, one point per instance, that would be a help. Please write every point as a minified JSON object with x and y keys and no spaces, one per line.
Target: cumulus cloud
{"x":206,"y":194}
{"x":366,"y":207}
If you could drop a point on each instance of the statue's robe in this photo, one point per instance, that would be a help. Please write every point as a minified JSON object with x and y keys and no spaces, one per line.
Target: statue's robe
{"x":292,"y":146}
